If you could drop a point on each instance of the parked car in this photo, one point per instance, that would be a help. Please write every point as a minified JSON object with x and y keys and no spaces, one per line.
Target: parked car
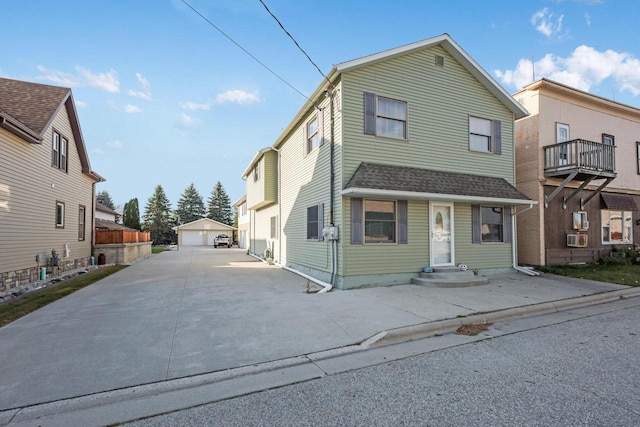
{"x":222,"y":240}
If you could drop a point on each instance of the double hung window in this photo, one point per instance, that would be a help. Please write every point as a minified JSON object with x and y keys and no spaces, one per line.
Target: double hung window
{"x":385,"y":116}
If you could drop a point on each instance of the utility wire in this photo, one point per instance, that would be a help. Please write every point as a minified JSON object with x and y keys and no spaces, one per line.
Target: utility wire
{"x":295,"y":41}
{"x":244,"y":50}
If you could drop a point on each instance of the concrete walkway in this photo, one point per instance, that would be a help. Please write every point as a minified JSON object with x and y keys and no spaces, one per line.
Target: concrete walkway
{"x":201,"y":310}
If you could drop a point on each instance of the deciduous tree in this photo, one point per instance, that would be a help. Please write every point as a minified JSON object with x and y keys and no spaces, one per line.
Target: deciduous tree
{"x":131,"y":214}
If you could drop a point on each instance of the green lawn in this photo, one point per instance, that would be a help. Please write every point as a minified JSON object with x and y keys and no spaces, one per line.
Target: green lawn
{"x":21,"y":307}
{"x":157,"y":249}
{"x":625,"y":274}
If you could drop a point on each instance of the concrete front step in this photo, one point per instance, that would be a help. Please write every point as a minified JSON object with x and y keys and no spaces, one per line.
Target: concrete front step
{"x":449,"y":278}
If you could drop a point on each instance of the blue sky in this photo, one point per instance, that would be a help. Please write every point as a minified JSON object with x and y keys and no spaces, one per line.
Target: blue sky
{"x":164,"y":98}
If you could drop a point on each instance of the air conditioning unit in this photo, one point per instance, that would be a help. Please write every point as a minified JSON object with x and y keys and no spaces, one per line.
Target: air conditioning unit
{"x":577,"y":240}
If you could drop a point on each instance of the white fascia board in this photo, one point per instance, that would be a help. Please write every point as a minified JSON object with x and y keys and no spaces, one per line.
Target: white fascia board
{"x":455,"y":51}
{"x":255,"y":159}
{"x":412,"y":195}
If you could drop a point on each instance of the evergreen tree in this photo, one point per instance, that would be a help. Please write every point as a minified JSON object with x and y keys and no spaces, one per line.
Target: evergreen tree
{"x":131,"y":214}
{"x":105,"y":198}
{"x":157,"y":217}
{"x":190,"y":205}
{"x":219,"y":207}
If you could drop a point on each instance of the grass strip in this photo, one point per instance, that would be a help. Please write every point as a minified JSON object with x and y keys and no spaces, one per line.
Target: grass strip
{"x":621,"y":274}
{"x":31,"y":302}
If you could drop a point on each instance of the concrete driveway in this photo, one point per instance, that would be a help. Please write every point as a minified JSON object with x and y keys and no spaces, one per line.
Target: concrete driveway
{"x":201,"y":310}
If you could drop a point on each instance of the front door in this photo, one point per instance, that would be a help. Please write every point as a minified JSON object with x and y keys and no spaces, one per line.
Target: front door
{"x":441,"y":234}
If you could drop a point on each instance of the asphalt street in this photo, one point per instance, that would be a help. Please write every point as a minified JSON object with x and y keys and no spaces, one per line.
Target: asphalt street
{"x":580,"y":372}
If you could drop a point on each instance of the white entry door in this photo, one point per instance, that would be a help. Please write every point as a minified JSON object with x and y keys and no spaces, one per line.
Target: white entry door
{"x":442,"y":234}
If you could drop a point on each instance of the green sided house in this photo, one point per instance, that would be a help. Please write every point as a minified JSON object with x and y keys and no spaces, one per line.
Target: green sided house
{"x":399,"y":160}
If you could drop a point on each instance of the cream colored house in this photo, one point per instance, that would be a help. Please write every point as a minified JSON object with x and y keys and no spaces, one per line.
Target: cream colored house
{"x":244,"y":230}
{"x":201,"y":232}
{"x":579,"y":155}
{"x":46,"y":183}
{"x":399,"y":160}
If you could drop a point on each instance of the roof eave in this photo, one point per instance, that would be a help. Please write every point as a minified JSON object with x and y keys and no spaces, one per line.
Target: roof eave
{"x":374,"y":192}
{"x":18,"y":129}
{"x":458,"y":53}
{"x":255,"y":160}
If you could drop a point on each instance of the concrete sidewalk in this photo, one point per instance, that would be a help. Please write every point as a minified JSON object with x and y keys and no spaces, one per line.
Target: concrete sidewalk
{"x":199,"y":310}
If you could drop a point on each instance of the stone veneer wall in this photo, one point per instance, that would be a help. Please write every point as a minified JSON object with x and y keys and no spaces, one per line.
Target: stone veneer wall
{"x":13,"y":279}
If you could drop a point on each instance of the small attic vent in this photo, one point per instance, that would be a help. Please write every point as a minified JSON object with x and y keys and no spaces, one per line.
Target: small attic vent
{"x":439,"y":61}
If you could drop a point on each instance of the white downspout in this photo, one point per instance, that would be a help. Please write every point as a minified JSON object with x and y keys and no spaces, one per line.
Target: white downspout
{"x":514,"y":244}
{"x":326,"y":287}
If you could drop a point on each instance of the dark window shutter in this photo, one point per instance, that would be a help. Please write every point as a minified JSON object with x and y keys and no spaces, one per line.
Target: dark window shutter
{"x":320,"y":127}
{"x":305,"y":138}
{"x":497,"y":137}
{"x":357,"y":231}
{"x":508,"y":229}
{"x":476,"y":224}
{"x":369,"y":113}
{"x":320,"y":221}
{"x":403,"y":219}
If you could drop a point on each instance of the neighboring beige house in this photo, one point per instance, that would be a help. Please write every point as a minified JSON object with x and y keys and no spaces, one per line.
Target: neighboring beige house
{"x":579,"y":155}
{"x":399,"y":160}
{"x":244,"y":223}
{"x":46,"y":183}
{"x":201,"y":232}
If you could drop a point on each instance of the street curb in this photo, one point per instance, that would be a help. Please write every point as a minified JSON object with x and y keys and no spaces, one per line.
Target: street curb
{"x":118,"y":406}
{"x":438,"y":327}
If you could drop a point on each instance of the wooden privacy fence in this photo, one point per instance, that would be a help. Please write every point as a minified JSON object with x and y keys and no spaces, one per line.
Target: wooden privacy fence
{"x":104,"y":237}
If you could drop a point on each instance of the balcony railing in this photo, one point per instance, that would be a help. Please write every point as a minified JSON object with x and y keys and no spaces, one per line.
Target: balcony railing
{"x":588,"y":158}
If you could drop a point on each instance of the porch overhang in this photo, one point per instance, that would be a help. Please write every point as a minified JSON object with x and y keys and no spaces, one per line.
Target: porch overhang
{"x":436,"y":197}
{"x":402,"y":182}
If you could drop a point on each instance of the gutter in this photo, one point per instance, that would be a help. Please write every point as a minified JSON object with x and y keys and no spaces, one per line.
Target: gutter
{"x":514,"y":244}
{"x":326,"y":286}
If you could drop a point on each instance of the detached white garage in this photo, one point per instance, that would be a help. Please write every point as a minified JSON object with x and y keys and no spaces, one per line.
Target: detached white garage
{"x":201,"y":232}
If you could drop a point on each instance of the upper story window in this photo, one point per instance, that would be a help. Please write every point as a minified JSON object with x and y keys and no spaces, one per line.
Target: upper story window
{"x":59,"y":149}
{"x":485,"y":135}
{"x":313,"y":132}
{"x":608,"y":139}
{"x":385,"y":116}
{"x":256,"y":172}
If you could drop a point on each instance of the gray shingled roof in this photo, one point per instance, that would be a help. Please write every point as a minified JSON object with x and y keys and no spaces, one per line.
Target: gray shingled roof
{"x":32,"y":104}
{"x":401,"y":178}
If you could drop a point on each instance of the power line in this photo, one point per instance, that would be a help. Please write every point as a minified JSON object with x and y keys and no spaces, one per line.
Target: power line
{"x":295,"y":41}
{"x":243,"y":49}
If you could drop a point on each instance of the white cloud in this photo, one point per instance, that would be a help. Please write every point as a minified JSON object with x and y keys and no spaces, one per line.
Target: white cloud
{"x":83,"y":78}
{"x":115,"y":144}
{"x":132,"y":109}
{"x":185,"y":121}
{"x":238,"y":97}
{"x":587,"y":18}
{"x":543,"y":21}
{"x":584,"y":68}
{"x":195,"y":106}
{"x":81,"y":104}
{"x":145,"y":93}
{"x":97,"y":152}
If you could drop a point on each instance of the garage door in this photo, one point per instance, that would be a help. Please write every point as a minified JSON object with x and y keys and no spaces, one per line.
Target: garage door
{"x":192,"y":238}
